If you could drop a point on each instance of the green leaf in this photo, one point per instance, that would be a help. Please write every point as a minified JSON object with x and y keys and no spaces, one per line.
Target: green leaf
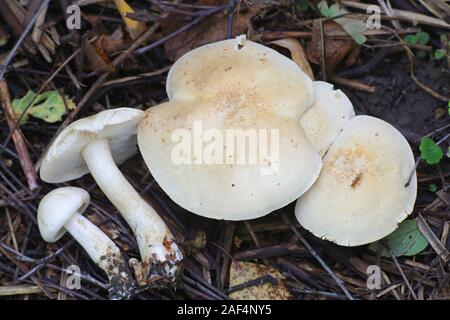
{"x":329,"y":12}
{"x":19,"y":106}
{"x":448,"y":152}
{"x":430,"y":151}
{"x":443,"y":38}
{"x":432,"y":187}
{"x":422,"y":37}
{"x":355,"y":28}
{"x":406,"y":240}
{"x":439,"y":54}
{"x":411,"y":39}
{"x":302,"y":5}
{"x":48,"y":106}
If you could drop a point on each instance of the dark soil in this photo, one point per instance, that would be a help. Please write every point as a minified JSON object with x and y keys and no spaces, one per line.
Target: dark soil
{"x":400,"y":101}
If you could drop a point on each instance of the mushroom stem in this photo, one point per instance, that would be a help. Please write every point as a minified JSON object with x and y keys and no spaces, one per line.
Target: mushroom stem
{"x":160,"y":255}
{"x":104,"y":253}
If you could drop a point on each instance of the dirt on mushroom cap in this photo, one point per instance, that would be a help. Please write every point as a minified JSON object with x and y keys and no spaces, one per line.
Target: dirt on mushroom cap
{"x":225,"y":86}
{"x":360,"y":195}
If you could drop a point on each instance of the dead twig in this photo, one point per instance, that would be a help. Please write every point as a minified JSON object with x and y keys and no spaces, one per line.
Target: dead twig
{"x":318,"y":258}
{"x":17,"y":136}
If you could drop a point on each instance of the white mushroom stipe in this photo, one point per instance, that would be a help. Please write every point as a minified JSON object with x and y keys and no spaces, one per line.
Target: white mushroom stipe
{"x":95,"y":145}
{"x":60,"y":211}
{"x":155,"y":241}
{"x":360,"y":196}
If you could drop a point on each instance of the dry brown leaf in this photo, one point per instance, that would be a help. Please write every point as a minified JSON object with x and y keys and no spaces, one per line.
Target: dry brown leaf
{"x":243,"y":272}
{"x":210,"y":29}
{"x":111,"y":44}
{"x":297,"y":53}
{"x":95,"y":61}
{"x":98,"y":54}
{"x":335,"y":49}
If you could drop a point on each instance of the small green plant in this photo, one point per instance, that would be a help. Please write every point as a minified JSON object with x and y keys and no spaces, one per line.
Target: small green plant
{"x":48,"y":106}
{"x":418,"y":38}
{"x":439,"y":54}
{"x":432,"y":187}
{"x":444,"y":50}
{"x":302,"y":5}
{"x":430,"y":151}
{"x":329,"y":11}
{"x":406,"y":240}
{"x":421,"y":38}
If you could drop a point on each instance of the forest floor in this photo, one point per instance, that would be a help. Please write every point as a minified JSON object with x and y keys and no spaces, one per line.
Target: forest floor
{"x":403,"y":80}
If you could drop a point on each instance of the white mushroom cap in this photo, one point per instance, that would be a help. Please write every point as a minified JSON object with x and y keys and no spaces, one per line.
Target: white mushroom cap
{"x":239,"y":85}
{"x":360,"y":196}
{"x":327,"y":117}
{"x":240,"y":73}
{"x":57,"y":208}
{"x":63,"y":161}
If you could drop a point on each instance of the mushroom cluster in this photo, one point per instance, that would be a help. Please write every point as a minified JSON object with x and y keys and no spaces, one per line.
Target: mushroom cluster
{"x":245,"y":132}
{"x":349,"y":173}
{"x":96,"y":145}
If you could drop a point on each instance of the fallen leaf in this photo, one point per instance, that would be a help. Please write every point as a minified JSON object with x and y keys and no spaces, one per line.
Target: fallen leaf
{"x":354,"y":27}
{"x":212,"y":28}
{"x":335,"y":49}
{"x":95,"y":60}
{"x":112,"y":43}
{"x":297,"y":54}
{"x":98,"y":54}
{"x":48,"y":106}
{"x":243,"y":272}
{"x":406,"y":240}
{"x":135,"y":28}
{"x":20,"y":106}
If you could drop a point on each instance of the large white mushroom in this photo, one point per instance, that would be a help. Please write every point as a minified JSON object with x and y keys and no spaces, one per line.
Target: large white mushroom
{"x":361,"y":196}
{"x":60,"y":211}
{"x":327,"y":117}
{"x":222,"y":97}
{"x":95,"y":145}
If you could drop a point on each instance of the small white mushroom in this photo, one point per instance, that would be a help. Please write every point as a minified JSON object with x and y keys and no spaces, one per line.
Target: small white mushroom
{"x":231,"y":87}
{"x":94,"y":145}
{"x":327,"y":117}
{"x":360,"y":196}
{"x":60,"y":211}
